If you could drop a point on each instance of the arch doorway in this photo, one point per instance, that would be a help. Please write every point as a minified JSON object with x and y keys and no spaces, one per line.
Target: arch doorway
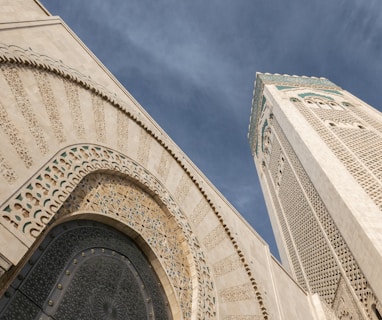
{"x":89,"y":271}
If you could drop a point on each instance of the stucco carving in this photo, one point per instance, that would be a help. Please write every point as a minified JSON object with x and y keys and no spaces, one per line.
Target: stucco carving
{"x":40,"y":199}
{"x":200,"y":212}
{"x":122,"y":130}
{"x":99,"y":118}
{"x":16,"y":141}
{"x":237,"y":293}
{"x":164,"y":164}
{"x":144,"y":147}
{"x":227,"y":264}
{"x":214,"y":237}
{"x":49,"y":101}
{"x":117,"y":197}
{"x":183,"y":188}
{"x":71,"y":91}
{"x":15,"y":83}
{"x":345,"y":304}
{"x":8,"y":173}
{"x":50,"y":187}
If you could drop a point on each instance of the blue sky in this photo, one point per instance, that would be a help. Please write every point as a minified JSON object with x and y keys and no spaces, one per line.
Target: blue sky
{"x":191,"y":64}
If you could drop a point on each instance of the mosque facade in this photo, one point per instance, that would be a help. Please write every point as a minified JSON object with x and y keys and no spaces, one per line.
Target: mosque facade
{"x":102,"y":216}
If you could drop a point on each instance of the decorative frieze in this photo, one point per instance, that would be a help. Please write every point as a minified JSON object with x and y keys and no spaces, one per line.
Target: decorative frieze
{"x":362,"y":161}
{"x":14,"y":138}
{"x":49,"y":101}
{"x":345,"y":305}
{"x":215,"y":237}
{"x":8,"y":173}
{"x":99,"y":117}
{"x":71,"y":91}
{"x":122,"y":130}
{"x":227,"y":265}
{"x":38,"y":201}
{"x":144,"y":147}
{"x":117,"y":197}
{"x":183,"y":188}
{"x":164,"y":164}
{"x":200,"y":212}
{"x":11,"y":75}
{"x":237,"y":293}
{"x":31,"y":209}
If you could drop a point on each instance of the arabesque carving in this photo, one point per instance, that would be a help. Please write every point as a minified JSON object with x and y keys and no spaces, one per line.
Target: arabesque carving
{"x":16,"y":141}
{"x":11,"y":75}
{"x":53,"y":184}
{"x":7,"y":171}
{"x":117,"y":197}
{"x":49,"y":101}
{"x":40,"y":200}
{"x":99,"y":115}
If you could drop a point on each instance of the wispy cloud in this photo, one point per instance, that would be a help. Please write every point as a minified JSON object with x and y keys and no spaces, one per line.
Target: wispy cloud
{"x":192,"y":64}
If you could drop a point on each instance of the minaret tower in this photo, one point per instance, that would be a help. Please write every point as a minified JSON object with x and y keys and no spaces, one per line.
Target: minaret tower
{"x":318,"y":153}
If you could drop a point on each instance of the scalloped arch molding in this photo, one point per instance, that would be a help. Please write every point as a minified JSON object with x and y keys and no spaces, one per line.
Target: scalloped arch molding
{"x":67,"y":139}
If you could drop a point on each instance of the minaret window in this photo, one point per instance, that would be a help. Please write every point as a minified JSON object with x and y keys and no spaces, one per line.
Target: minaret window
{"x":322,"y":103}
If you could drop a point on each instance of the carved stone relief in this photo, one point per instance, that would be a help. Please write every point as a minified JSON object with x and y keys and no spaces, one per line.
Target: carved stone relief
{"x":122,"y":130}
{"x":49,"y":101}
{"x":99,"y":117}
{"x":89,"y":271}
{"x":71,"y":91}
{"x":214,"y":237}
{"x":237,"y":293}
{"x":227,"y":264}
{"x":200,"y":212}
{"x":164,"y":165}
{"x":32,"y":209}
{"x":117,"y":197}
{"x":183,"y":188}
{"x":15,"y":139}
{"x":344,"y":304}
{"x":144,"y":147}
{"x":11,"y":75}
{"x":37,"y":202}
{"x":7,"y":171}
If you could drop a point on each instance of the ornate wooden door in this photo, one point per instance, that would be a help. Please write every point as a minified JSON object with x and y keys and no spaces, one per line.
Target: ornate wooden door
{"x":85,"y":270}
